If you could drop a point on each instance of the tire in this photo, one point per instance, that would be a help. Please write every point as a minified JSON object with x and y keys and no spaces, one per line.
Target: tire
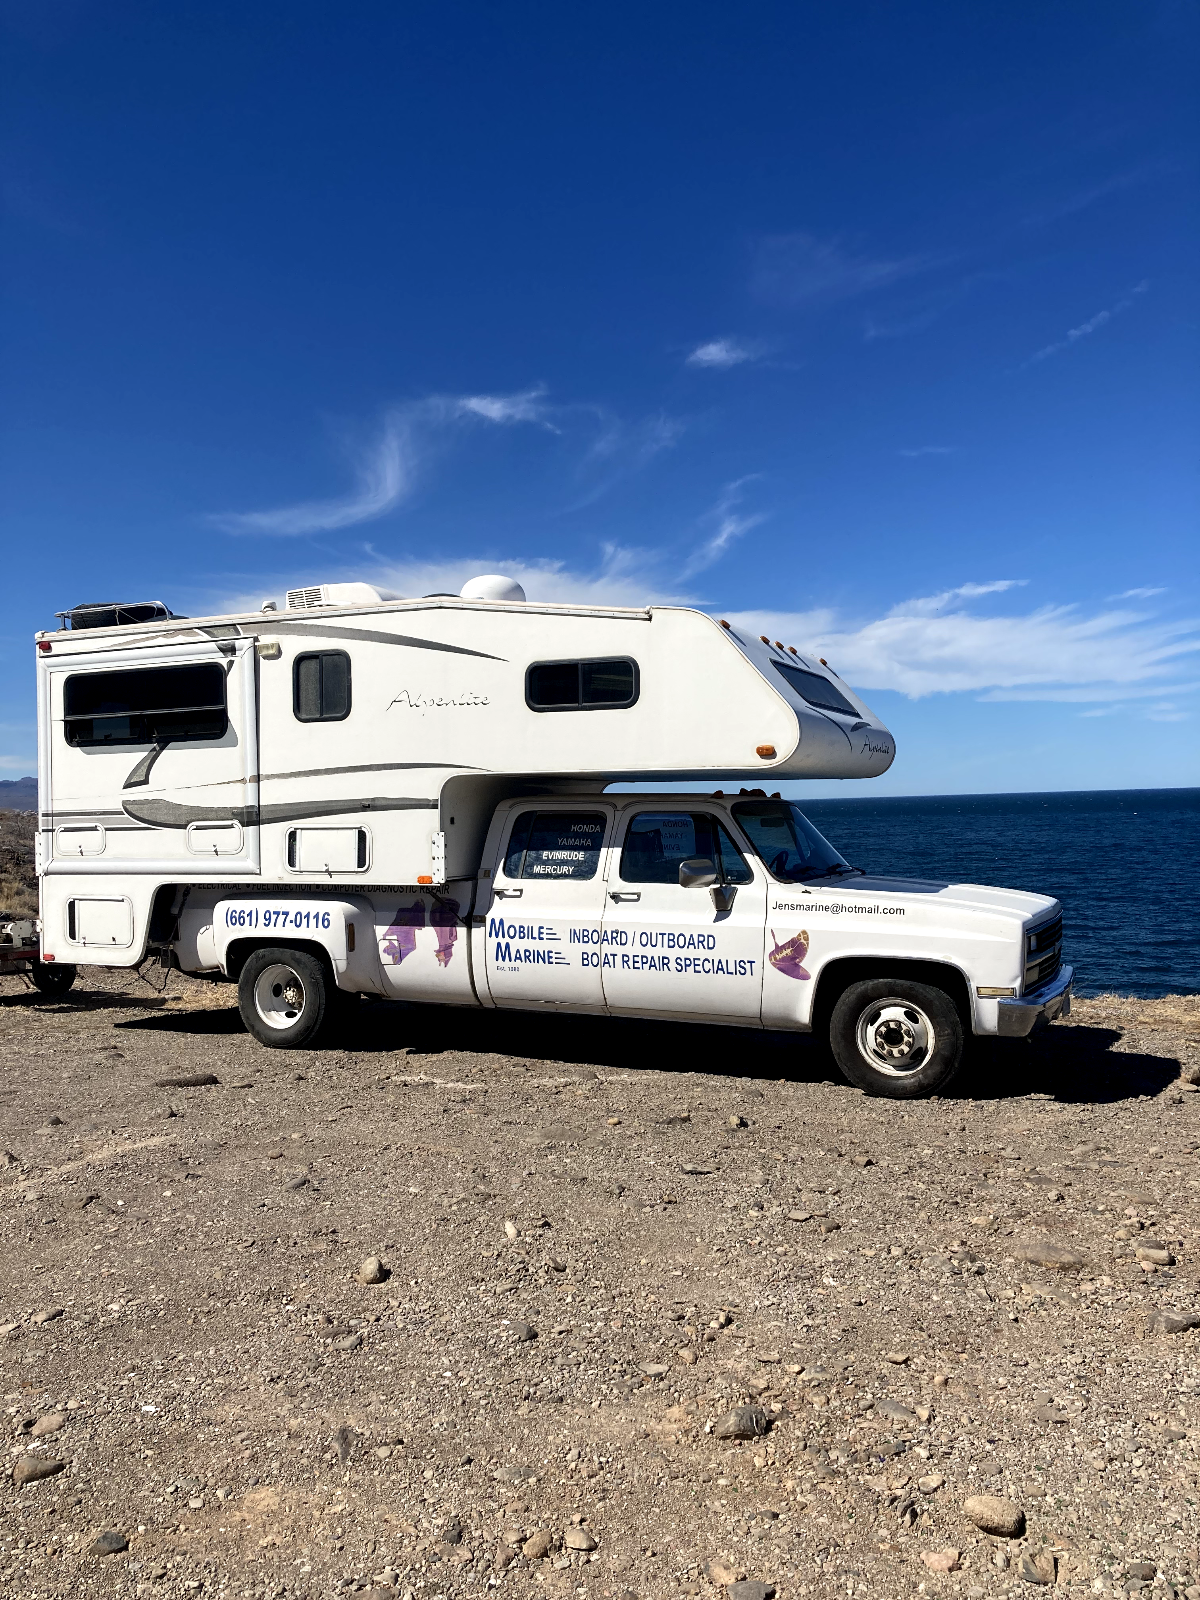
{"x":896,"y":1039}
{"x":56,"y":979}
{"x":282,"y":995}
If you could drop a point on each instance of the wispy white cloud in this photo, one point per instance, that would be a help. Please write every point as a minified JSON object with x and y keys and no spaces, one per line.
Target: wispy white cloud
{"x":939,"y":644}
{"x":1137,"y":594}
{"x":800,"y":269}
{"x":723,"y":353}
{"x":1085,"y":329}
{"x":385,"y":469}
{"x":728,"y":523}
{"x":928,"y":450}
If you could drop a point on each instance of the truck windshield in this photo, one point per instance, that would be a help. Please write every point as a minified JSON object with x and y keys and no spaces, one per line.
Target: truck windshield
{"x":791,"y":848}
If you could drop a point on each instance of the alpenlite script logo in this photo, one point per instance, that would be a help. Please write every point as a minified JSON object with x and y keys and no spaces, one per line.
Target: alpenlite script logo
{"x":416,"y":700}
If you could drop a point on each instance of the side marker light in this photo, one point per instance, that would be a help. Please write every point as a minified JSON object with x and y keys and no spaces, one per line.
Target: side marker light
{"x":766,"y":751}
{"x":45,"y":646}
{"x":424,"y":879}
{"x":986,"y":993}
{"x":725,"y":624}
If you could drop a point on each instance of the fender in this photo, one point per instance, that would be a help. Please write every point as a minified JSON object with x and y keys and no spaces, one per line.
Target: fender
{"x":343,"y":929}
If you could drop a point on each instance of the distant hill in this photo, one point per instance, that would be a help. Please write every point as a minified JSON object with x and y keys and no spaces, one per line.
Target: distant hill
{"x":18,"y":794}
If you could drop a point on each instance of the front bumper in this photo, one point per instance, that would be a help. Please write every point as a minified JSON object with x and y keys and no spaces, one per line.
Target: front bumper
{"x":1019,"y":1017}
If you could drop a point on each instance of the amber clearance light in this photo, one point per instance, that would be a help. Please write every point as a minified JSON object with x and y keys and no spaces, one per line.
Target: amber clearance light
{"x":766,"y":751}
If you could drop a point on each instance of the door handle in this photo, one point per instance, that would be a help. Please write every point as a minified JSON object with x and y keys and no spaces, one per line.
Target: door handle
{"x":508,"y":894}
{"x":624,"y":894}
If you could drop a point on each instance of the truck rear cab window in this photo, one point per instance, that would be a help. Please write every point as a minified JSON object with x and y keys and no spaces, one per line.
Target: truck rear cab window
{"x":818,"y":691}
{"x":145,"y":705}
{"x":321,"y":686}
{"x":555,"y":844}
{"x":582,"y":685}
{"x":657,"y":841}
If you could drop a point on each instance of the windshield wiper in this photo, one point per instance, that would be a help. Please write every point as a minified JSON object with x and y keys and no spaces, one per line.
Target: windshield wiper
{"x":828,"y":872}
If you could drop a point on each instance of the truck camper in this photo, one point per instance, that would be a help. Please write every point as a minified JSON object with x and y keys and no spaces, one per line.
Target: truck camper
{"x":413,"y":798}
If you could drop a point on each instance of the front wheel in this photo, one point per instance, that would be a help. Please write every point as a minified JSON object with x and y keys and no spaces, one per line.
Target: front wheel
{"x":282,"y":997}
{"x":897,"y":1039}
{"x":52,"y":980}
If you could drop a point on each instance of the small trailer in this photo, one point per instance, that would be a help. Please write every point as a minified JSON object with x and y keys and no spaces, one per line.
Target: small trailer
{"x":413,"y":798}
{"x":21,"y":952}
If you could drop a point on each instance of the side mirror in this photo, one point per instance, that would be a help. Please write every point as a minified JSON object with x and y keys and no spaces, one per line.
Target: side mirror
{"x":698,"y":873}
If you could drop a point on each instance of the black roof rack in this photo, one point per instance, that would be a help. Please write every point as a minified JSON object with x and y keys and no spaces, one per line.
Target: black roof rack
{"x":115,"y":613}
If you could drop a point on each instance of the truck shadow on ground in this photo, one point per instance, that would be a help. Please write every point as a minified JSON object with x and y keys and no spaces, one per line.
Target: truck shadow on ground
{"x":1072,"y":1063}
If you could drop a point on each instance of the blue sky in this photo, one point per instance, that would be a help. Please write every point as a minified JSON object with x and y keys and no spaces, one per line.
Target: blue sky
{"x":876,"y":323}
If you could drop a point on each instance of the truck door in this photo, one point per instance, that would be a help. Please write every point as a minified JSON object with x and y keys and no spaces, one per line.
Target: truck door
{"x":153,"y":760}
{"x":545,"y":922}
{"x":682,"y":952}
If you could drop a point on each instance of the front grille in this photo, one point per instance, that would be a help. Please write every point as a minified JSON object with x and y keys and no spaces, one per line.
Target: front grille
{"x":1043,"y":953}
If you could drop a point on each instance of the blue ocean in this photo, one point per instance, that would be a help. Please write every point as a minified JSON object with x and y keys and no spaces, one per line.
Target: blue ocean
{"x":1125,"y":864}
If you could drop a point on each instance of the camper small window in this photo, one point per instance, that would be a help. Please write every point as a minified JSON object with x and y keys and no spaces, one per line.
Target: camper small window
{"x":145,"y":705}
{"x":555,"y":844}
{"x":607,"y":685}
{"x":818,"y":691}
{"x":321,"y":686}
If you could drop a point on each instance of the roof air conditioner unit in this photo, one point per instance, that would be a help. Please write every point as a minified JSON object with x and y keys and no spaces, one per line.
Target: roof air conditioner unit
{"x":339,"y":594}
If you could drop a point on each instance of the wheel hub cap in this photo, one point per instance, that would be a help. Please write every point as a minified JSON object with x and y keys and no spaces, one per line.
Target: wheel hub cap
{"x":279,"y":996}
{"x":895,"y":1037}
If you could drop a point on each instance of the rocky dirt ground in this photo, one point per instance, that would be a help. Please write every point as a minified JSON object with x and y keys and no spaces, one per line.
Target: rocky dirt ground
{"x":605,"y":1248}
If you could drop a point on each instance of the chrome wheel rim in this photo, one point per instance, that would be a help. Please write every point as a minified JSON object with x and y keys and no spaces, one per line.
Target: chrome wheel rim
{"x":279,"y":996}
{"x":895,"y":1037}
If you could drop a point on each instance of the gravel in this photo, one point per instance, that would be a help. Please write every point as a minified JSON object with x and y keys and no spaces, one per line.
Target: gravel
{"x":551,"y":1404}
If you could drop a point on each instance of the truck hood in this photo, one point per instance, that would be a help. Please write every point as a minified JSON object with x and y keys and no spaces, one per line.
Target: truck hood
{"x":1016,"y":903}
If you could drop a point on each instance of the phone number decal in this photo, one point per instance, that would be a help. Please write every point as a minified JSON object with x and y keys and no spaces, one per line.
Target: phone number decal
{"x":269,"y":917}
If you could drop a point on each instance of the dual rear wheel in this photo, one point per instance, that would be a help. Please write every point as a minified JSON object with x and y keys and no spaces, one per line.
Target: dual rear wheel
{"x":283,"y":996}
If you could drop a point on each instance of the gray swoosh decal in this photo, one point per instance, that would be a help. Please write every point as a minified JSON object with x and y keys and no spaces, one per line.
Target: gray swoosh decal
{"x":374,"y":766}
{"x":170,"y":814}
{"x":372,"y":636}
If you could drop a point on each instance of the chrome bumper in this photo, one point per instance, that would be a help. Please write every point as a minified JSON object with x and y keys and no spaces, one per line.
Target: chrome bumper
{"x":1019,"y":1017}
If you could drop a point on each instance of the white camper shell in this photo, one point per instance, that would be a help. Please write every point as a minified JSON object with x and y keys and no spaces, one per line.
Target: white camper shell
{"x":407,"y":798}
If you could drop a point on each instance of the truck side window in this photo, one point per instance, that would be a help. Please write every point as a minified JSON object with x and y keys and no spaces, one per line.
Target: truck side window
{"x":657,"y":841}
{"x":582,"y":685}
{"x":321,"y":686}
{"x":148,"y":705}
{"x":555,"y":844}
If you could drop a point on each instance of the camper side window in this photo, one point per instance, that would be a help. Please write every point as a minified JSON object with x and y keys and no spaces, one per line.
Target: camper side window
{"x":581,"y":685}
{"x":146,"y":705}
{"x":321,"y":686}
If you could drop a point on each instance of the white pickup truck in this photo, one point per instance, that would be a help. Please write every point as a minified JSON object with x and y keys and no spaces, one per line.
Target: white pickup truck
{"x":726,"y":909}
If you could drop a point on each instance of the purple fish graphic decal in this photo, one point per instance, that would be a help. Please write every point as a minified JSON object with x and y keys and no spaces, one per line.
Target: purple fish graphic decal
{"x":787,"y":957}
{"x":400,"y":940}
{"x":443,"y":919}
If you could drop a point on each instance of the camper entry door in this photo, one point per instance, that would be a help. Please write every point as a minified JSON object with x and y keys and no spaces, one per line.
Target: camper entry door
{"x":153,"y":759}
{"x":546,"y":921}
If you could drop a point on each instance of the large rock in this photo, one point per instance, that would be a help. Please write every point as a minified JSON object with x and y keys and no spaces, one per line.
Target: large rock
{"x":1037,"y":1567}
{"x":373,"y":1271}
{"x":578,"y":1539}
{"x":1049,"y":1253}
{"x":537,"y":1545}
{"x":743,"y":1422}
{"x":31,"y":1469}
{"x":993,"y":1514}
{"x":107,"y":1543}
{"x":1171,"y":1321}
{"x":751,"y":1589}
